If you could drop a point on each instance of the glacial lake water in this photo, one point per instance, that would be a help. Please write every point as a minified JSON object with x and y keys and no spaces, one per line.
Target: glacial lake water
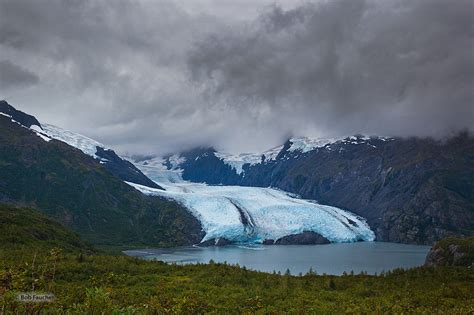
{"x":370,"y":257}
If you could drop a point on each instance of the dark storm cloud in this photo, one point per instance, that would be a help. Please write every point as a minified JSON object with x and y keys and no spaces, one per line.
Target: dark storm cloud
{"x":12,"y":75}
{"x":157,"y":76}
{"x":112,"y":70}
{"x":393,"y":67}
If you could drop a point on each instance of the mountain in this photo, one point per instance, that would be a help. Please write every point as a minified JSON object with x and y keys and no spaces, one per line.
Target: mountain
{"x":17,"y":115}
{"x":80,"y":192}
{"x":115,"y":164}
{"x":410,"y":190}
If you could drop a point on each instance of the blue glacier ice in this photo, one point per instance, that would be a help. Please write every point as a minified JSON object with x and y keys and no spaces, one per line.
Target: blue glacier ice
{"x":253,"y":214}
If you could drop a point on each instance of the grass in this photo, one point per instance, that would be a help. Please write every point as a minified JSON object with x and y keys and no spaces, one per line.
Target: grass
{"x":105,"y":284}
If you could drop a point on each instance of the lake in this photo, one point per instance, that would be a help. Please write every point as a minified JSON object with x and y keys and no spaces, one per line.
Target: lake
{"x":371,"y":257}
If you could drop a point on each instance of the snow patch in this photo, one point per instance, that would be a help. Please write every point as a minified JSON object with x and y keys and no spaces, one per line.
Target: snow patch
{"x":36,"y":129}
{"x":237,"y":161}
{"x":305,"y":144}
{"x":83,"y":143}
{"x":39,"y":132}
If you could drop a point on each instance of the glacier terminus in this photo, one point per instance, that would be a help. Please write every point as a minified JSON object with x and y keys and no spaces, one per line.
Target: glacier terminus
{"x":253,"y":214}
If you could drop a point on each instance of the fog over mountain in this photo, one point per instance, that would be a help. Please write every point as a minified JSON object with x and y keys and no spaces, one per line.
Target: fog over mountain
{"x":158,"y":76}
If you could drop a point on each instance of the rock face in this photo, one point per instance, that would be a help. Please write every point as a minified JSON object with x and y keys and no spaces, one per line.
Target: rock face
{"x":305,"y":238}
{"x":202,"y":166}
{"x":19,"y":116}
{"x":452,"y":252}
{"x":411,"y":190}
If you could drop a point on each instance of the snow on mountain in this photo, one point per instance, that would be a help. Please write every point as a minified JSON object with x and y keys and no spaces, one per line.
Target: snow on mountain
{"x":83,"y":143}
{"x":253,"y":214}
{"x":175,"y":160}
{"x":35,"y":128}
{"x":117,"y":165}
{"x":40,"y":133}
{"x":305,"y":144}
{"x":237,"y":161}
{"x":48,"y":132}
{"x":22,"y":119}
{"x":18,"y":116}
{"x":301,"y":144}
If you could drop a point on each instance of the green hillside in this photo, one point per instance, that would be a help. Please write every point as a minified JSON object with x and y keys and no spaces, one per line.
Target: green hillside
{"x":23,"y":228}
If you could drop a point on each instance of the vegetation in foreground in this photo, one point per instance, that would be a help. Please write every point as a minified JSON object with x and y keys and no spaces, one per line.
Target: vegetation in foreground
{"x":85,"y":282}
{"x":105,"y":284}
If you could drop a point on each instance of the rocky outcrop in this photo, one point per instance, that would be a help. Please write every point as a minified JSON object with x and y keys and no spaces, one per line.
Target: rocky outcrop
{"x":17,"y":115}
{"x":215,"y":242}
{"x":202,"y":166}
{"x":305,"y":238}
{"x":452,"y":252}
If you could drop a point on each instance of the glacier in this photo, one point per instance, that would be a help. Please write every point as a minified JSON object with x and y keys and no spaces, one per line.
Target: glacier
{"x":253,"y":214}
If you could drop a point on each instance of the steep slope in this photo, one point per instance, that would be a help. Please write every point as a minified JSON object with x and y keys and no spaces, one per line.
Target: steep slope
{"x":24,"y":227}
{"x":76,"y":190}
{"x":111,"y":161}
{"x":115,"y":164}
{"x":19,"y":116}
{"x":409,"y":190}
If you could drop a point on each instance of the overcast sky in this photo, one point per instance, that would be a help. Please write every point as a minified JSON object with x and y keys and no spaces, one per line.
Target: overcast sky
{"x":152,"y":77}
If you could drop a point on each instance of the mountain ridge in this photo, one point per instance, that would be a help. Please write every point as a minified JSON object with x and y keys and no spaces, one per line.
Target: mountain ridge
{"x":78,"y":191}
{"x":17,"y":115}
{"x":411,"y":190}
{"x":115,"y":164}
